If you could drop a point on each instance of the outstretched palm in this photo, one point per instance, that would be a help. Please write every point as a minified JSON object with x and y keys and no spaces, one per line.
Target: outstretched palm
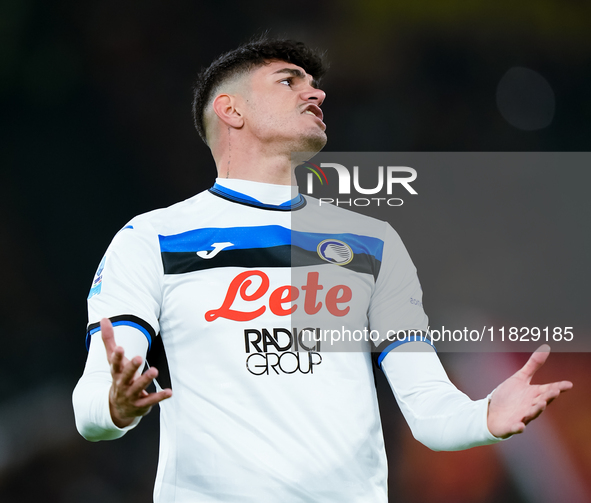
{"x":516,"y":402}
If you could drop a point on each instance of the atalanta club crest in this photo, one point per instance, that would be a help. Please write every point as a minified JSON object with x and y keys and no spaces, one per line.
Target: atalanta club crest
{"x":335,"y":251}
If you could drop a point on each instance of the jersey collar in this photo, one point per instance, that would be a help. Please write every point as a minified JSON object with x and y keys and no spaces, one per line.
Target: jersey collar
{"x":242,"y":198}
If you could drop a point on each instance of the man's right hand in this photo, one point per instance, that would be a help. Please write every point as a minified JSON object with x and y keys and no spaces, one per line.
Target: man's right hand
{"x":128,"y":397}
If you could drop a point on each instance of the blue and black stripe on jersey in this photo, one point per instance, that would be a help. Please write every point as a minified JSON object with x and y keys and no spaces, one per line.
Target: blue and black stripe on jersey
{"x":263,"y":246}
{"x":124,"y":319}
{"x":398,"y":339}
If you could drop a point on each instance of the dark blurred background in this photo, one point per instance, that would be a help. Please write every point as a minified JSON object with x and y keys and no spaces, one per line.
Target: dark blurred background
{"x":96,"y":128}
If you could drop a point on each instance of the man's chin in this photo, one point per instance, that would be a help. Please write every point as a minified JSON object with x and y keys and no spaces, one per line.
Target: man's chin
{"x":314,"y":142}
{"x":306,"y":146}
{"x":305,"y":150}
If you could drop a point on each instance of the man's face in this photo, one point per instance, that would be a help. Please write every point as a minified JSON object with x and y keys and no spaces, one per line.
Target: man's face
{"x":282,"y":108}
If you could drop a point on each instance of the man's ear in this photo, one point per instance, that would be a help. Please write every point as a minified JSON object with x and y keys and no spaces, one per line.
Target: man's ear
{"x":224,"y":106}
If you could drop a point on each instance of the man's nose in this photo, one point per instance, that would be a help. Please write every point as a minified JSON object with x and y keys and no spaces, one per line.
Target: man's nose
{"x":313,"y":95}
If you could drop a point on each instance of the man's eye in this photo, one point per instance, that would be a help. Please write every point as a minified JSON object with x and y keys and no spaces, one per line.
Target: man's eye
{"x":287,"y":82}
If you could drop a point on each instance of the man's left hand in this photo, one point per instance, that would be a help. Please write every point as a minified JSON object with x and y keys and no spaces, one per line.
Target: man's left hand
{"x":516,"y":402}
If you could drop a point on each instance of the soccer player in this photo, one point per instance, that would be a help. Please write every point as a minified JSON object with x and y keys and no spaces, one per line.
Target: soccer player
{"x":260,"y":410}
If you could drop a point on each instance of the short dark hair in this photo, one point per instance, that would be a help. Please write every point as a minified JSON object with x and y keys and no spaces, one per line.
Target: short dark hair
{"x":246,"y":57}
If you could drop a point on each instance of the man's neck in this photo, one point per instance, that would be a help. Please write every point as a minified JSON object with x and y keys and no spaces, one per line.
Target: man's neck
{"x":276,"y":170}
{"x":255,"y":161}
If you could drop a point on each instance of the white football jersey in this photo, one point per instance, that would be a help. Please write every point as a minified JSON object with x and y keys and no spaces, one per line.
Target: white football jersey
{"x":248,"y":299}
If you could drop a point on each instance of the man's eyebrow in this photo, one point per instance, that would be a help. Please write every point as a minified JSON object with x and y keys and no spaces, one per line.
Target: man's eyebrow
{"x":294,"y":72}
